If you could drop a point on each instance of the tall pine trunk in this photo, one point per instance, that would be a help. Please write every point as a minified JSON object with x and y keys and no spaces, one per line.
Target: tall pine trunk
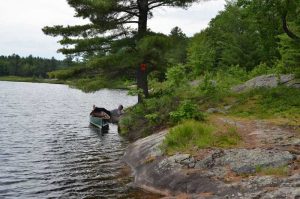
{"x":141,"y":75}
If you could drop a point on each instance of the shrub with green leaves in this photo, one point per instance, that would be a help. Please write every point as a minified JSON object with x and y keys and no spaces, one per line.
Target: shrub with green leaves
{"x":148,"y":116}
{"x":236,"y":71}
{"x":208,"y":86}
{"x":153,"y":118}
{"x":126,"y":124}
{"x":261,"y":69}
{"x":186,"y":110}
{"x":176,"y":75}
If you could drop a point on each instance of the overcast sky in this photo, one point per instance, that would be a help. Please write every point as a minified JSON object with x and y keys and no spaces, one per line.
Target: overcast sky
{"x":21,"y":22}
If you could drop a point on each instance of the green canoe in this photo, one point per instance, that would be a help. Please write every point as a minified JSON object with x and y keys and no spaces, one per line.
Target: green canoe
{"x":99,"y":122}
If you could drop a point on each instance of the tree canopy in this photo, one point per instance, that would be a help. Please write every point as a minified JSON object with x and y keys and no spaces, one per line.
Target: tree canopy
{"x":110,"y":20}
{"x":249,"y":33}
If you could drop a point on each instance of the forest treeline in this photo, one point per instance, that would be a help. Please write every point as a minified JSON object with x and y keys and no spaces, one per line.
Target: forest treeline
{"x":30,"y":66}
{"x":249,"y":34}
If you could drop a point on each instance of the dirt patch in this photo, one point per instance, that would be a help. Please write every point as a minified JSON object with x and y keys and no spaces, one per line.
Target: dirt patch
{"x":259,"y":133}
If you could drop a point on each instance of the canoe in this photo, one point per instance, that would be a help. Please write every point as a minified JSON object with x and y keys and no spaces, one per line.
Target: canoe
{"x":99,"y":122}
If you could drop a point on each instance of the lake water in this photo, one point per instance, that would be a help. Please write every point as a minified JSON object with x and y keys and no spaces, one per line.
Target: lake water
{"x":48,"y":149}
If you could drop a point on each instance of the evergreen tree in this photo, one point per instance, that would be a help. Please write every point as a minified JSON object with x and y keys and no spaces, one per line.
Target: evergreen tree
{"x":111,"y":20}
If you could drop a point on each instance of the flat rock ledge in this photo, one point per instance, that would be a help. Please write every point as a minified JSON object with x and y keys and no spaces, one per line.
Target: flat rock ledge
{"x":215,"y":173}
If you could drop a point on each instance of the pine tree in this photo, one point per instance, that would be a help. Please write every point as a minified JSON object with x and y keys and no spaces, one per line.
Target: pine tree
{"x":111,"y":20}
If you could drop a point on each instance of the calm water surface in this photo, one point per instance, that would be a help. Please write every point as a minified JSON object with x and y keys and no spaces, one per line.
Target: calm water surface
{"x":48,"y":149}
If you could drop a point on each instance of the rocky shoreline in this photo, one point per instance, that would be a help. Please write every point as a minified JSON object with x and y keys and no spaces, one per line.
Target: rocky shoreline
{"x":221,"y":173}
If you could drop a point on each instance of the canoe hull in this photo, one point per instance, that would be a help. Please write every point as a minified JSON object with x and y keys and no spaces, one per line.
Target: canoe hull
{"x":98,"y":122}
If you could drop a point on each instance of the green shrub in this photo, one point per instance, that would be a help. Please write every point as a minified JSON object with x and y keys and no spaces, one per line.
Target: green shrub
{"x":176,"y":75}
{"x":153,"y":118}
{"x":186,"y":110}
{"x":153,"y":104}
{"x":227,"y":79}
{"x":237,"y":72}
{"x":261,"y":69}
{"x":149,"y":116}
{"x":216,"y":86}
{"x":125,"y":124}
{"x":159,"y":89}
{"x":208,"y":86}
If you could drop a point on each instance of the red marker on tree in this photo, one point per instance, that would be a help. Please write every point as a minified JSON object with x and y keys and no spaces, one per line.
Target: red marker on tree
{"x":143,"y":67}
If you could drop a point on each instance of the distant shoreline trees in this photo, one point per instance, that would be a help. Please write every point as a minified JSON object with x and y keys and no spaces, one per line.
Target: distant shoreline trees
{"x":14,"y":65}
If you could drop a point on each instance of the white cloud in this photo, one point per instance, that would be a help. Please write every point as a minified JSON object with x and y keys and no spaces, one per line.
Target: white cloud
{"x":21,"y":22}
{"x":190,"y":21}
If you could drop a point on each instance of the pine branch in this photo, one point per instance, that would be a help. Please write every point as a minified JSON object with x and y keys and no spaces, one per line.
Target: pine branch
{"x":77,"y":30}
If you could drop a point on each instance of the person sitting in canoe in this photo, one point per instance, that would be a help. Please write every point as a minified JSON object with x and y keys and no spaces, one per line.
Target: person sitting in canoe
{"x":101,"y":112}
{"x":116,"y":113}
{"x":112,"y":116}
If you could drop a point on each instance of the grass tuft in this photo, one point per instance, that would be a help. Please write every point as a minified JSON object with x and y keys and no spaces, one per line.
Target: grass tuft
{"x":190,"y":134}
{"x":228,"y":139}
{"x":276,"y":171}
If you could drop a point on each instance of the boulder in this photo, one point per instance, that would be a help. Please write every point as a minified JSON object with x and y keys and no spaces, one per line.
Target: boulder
{"x":270,"y":81}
